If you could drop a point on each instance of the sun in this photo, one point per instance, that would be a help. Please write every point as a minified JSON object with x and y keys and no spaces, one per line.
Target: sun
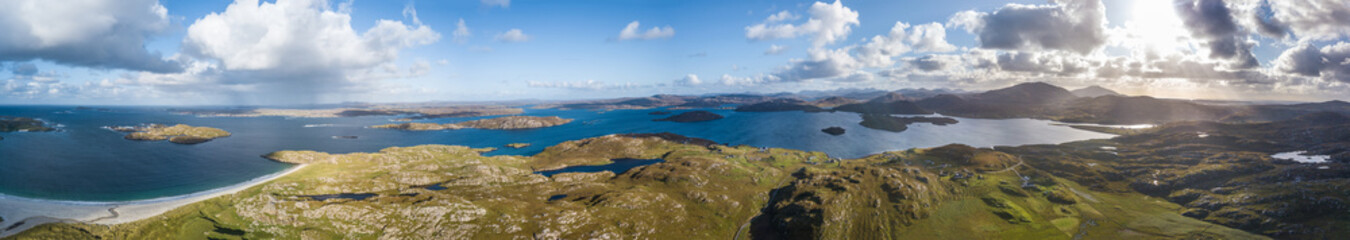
{"x":1154,"y":25}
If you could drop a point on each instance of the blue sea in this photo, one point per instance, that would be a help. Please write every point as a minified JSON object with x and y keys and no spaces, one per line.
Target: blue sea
{"x":85,"y":162}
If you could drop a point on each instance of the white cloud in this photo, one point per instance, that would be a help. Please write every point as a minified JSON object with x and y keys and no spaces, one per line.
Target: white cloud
{"x":781,"y":16}
{"x":513,"y":35}
{"x":742,"y":81}
{"x":1314,"y":19}
{"x":290,"y":50}
{"x":461,"y":34}
{"x":496,"y":3}
{"x":630,"y":32}
{"x":1074,"y":25}
{"x":419,"y":68}
{"x":297,"y":35}
{"x":775,"y":49}
{"x":847,"y":63}
{"x":688,"y":80}
{"x":828,"y":23}
{"x":89,"y":33}
{"x":881,"y":50}
{"x":584,"y":85}
{"x":410,"y":12}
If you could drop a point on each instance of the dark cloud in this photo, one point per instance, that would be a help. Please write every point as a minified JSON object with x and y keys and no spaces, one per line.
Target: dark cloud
{"x":1266,"y":23}
{"x":97,"y":34}
{"x":1212,"y":21}
{"x":1041,"y":63}
{"x":1330,"y":62}
{"x":929,"y":63}
{"x":24,"y":69}
{"x":1313,"y":19}
{"x":1072,"y":25}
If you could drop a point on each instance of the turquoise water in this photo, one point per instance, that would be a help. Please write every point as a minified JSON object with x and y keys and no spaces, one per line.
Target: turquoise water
{"x":85,"y":162}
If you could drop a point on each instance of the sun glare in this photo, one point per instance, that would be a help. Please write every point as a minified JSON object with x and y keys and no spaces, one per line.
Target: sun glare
{"x":1154,"y":23}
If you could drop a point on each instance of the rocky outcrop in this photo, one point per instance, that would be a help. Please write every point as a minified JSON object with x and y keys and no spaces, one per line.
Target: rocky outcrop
{"x":828,"y":204}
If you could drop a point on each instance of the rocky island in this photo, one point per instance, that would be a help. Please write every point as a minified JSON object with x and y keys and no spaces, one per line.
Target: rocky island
{"x":833,"y":130}
{"x":900,"y":124}
{"x":180,"y":134}
{"x":500,"y":123}
{"x":518,"y":145}
{"x":23,"y":124}
{"x":692,"y":116}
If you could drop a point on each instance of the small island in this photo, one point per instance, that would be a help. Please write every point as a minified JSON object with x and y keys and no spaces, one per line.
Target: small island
{"x":23,"y":124}
{"x":518,"y":145}
{"x":692,"y":116}
{"x":180,"y":134}
{"x":900,"y":124}
{"x":833,"y":130}
{"x":501,"y":123}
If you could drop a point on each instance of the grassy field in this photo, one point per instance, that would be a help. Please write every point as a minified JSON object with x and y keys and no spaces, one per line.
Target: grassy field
{"x":699,"y":192}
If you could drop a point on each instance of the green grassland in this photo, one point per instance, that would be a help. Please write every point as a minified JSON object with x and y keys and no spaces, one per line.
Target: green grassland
{"x":701,"y":191}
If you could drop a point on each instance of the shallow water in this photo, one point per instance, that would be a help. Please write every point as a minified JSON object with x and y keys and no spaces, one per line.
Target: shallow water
{"x":85,"y":162}
{"x":1298,"y":156}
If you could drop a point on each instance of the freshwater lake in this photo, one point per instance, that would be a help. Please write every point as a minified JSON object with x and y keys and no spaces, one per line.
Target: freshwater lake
{"x":85,"y":162}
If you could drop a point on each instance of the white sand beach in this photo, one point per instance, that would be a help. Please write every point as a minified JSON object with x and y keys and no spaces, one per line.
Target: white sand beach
{"x":21,"y":213}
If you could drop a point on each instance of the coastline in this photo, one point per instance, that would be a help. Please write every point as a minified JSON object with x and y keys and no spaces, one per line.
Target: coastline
{"x":32,"y":212}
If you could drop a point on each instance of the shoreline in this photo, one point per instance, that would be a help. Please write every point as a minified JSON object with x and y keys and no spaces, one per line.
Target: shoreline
{"x":20,"y":213}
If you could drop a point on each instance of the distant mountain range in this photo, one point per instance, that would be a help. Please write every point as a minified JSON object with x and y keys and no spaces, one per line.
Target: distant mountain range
{"x":1037,"y":100}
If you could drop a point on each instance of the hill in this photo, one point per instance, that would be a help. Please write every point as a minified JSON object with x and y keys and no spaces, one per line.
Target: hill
{"x":1094,"y":91}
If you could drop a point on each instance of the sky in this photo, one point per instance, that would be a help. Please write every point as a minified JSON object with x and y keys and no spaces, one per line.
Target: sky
{"x":249,"y":52}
